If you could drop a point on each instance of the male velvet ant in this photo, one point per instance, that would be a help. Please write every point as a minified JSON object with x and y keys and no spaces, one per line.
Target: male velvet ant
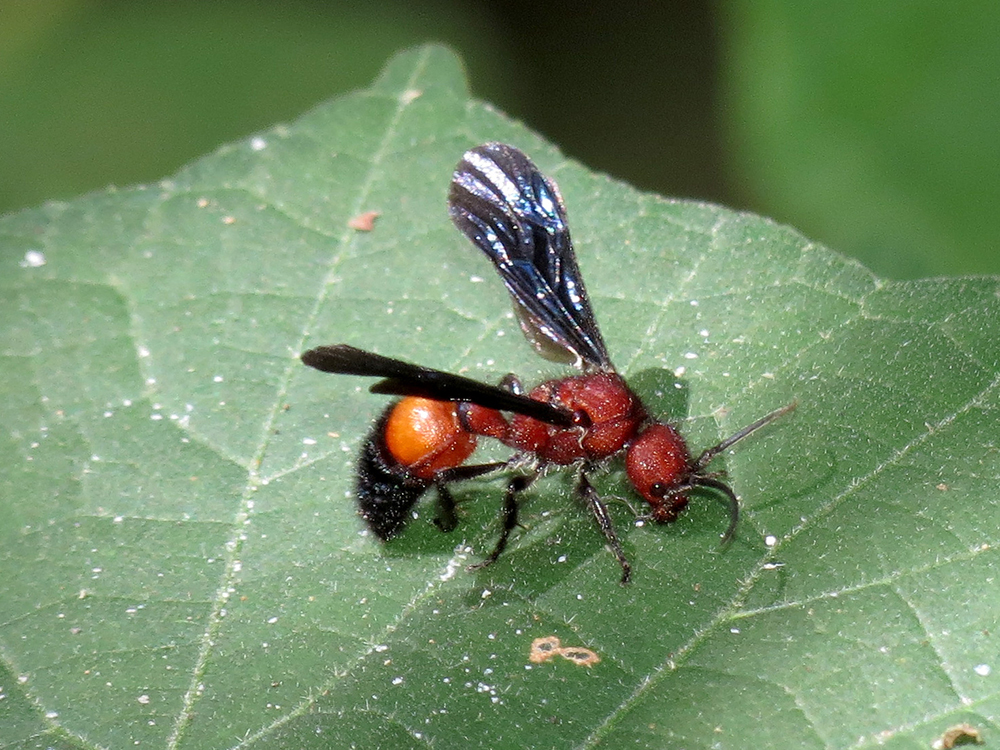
{"x":515,"y":215}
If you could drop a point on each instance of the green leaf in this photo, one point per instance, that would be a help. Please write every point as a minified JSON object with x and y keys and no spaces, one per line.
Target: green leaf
{"x":182,"y":565}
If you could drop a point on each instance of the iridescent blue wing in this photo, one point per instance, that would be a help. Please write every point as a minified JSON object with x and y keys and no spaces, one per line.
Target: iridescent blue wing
{"x":515,"y":215}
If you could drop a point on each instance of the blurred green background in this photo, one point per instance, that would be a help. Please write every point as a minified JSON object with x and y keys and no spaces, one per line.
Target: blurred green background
{"x":871,"y":127}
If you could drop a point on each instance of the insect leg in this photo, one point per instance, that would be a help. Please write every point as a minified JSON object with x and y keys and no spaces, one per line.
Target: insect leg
{"x":446,"y":519}
{"x":603,"y":518}
{"x":515,"y":487}
{"x":510,"y":382}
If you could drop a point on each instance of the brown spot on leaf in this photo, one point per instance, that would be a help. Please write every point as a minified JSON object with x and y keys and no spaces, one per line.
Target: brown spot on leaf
{"x":547,"y":648}
{"x":960,"y":734}
{"x":364,"y":222}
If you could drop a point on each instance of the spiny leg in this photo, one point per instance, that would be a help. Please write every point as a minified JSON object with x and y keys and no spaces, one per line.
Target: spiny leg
{"x":446,"y":519}
{"x":603,"y":518}
{"x":515,"y":487}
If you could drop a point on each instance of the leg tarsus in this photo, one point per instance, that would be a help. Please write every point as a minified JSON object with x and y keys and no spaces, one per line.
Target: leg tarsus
{"x":509,"y":522}
{"x":447,"y":519}
{"x":603,"y":518}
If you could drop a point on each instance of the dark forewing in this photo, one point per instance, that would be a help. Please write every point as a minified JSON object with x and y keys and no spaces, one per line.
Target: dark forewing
{"x":405,"y":379}
{"x":515,"y":215}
